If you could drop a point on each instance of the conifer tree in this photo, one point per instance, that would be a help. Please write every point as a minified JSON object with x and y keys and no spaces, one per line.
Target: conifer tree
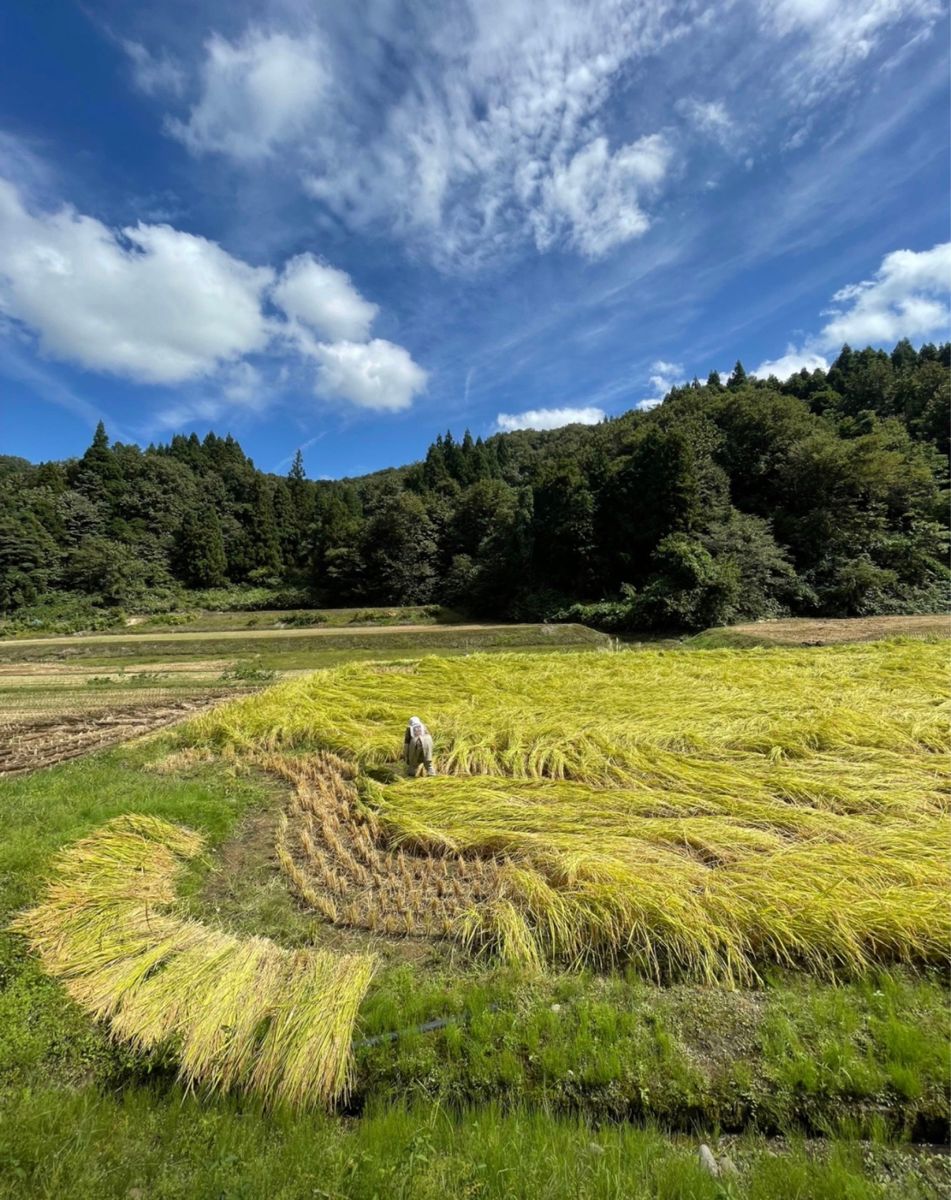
{"x":201,"y":549}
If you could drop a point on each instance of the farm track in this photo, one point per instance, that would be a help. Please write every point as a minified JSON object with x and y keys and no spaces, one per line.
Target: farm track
{"x":36,"y":742}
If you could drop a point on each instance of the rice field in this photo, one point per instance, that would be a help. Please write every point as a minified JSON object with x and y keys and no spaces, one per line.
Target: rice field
{"x":696,"y":813}
{"x":240,"y":1012}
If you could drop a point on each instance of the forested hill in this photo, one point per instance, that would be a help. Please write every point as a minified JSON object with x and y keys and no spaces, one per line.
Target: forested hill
{"x":732,"y":500}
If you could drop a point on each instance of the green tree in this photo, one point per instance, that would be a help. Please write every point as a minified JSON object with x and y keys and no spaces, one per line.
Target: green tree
{"x":201,"y":549}
{"x":399,"y":550}
{"x":28,"y":555}
{"x":261,"y":547}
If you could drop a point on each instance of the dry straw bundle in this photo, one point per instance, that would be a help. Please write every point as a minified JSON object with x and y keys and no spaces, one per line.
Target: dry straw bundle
{"x":242,"y":1011}
{"x":695,"y":812}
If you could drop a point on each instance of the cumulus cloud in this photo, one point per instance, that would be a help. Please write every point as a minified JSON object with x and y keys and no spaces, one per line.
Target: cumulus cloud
{"x":148,"y":302}
{"x":663,"y":377}
{"x":908,"y":298}
{"x":791,"y":363}
{"x":548,"y":418}
{"x":377,"y":375}
{"x":156,"y":305}
{"x":325,"y":299}
{"x":255,"y":94}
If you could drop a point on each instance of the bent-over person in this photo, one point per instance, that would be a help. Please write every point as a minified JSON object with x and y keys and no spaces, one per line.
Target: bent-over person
{"x":418,"y":748}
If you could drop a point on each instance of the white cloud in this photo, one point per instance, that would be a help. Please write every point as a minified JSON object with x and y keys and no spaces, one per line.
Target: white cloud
{"x":154,"y":74}
{"x":156,"y":305}
{"x":325,"y":299}
{"x":472,"y":128}
{"x":907,"y":298}
{"x":255,"y":94}
{"x":148,"y":302}
{"x":834,"y":36}
{"x":376,"y":375}
{"x":548,"y":418}
{"x":592,"y":200}
{"x":791,"y":363}
{"x":709,"y":117}
{"x":663,"y":377}
{"x":499,"y":139}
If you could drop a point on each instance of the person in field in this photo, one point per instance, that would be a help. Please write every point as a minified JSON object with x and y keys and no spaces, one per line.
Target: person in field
{"x":418,"y":748}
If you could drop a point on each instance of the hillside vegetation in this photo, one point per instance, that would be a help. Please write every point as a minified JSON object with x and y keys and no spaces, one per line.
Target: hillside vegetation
{"x":823,"y":495}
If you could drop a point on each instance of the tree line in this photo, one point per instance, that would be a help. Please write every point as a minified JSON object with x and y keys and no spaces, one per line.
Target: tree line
{"x":822,"y":495}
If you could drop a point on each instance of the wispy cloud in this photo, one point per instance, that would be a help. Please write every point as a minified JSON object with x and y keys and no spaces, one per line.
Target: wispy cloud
{"x":664,"y":376}
{"x":491,"y":127}
{"x":154,"y":74}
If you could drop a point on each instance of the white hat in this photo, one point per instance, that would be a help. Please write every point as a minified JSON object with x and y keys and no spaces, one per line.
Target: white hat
{"x":415,"y":721}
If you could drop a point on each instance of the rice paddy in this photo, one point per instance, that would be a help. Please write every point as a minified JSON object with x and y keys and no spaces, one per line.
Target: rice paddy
{"x":239,"y":1012}
{"x":697,"y":814}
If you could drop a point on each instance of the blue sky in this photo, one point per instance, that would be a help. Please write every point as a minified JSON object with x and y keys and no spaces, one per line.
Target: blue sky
{"x":347,"y":227}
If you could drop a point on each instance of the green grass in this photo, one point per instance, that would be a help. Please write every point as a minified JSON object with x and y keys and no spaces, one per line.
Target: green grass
{"x":285,"y":648}
{"x":88,"y":1143}
{"x":204,"y":621}
{"x":441,"y":1114}
{"x":89,"y":1146}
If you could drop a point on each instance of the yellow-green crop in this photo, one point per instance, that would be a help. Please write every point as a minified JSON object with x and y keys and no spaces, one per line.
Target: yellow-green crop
{"x":696,"y":812}
{"x":242,"y":1011}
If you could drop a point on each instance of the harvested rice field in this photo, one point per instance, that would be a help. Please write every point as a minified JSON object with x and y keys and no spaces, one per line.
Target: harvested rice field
{"x":58,"y":727}
{"x":696,"y":895}
{"x":695,"y":814}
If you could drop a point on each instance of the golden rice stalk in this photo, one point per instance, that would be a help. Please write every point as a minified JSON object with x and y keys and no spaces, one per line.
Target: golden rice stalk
{"x":107,"y":928}
{"x":694,"y":812}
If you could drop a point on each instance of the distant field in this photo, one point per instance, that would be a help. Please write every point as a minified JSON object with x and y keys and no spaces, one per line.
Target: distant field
{"x":818,"y":631}
{"x":300,"y":618}
{"x":287,"y":649}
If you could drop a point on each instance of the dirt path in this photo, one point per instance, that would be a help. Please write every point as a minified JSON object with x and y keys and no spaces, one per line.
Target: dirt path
{"x":245,"y":635}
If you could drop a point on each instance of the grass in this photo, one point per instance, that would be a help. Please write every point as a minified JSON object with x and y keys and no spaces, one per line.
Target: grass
{"x":287,"y":648}
{"x":205,"y":621}
{"x":242,"y":1012}
{"x":548,"y":1061}
{"x":695,"y":813}
{"x":139,"y":1144}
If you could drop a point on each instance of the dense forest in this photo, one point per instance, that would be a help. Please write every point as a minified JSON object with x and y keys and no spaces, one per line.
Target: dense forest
{"x":735,"y":499}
